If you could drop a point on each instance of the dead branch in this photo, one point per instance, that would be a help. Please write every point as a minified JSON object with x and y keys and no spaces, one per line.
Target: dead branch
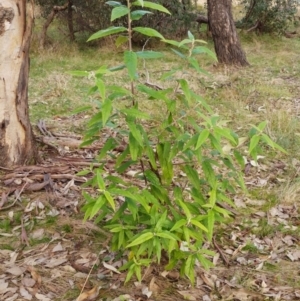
{"x":50,"y":18}
{"x":253,"y":27}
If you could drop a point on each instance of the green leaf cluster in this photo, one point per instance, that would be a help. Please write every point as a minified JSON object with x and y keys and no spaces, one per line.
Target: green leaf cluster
{"x":185,"y":168}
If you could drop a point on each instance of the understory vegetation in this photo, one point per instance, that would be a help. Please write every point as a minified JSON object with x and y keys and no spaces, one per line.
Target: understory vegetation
{"x":255,"y":241}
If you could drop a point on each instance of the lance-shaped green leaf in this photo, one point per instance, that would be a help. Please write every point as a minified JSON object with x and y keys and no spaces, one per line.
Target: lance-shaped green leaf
{"x":186,"y":234}
{"x":157,"y":244}
{"x":189,"y":268}
{"x":150,"y":32}
{"x":167,"y":172}
{"x":202,"y":138}
{"x":209,"y":173}
{"x":180,"y":54}
{"x":253,"y":143}
{"x":210,"y":223}
{"x":81,"y":109}
{"x":138,"y":14}
{"x":108,"y":146}
{"x":172,"y":42}
{"x":107,"y":32}
{"x":101,"y":87}
{"x":262,"y":125}
{"x":121,"y":239}
{"x":213,"y":197}
{"x":121,"y":40}
{"x":106,"y":110}
{"x":152,"y":178}
{"x":186,"y":210}
{"x":223,"y":211}
{"x":130,"y":60}
{"x":194,"y":63}
{"x":153,"y":93}
{"x":179,"y":224}
{"x":132,"y":112}
{"x":97,"y":206}
{"x":78,"y":73}
{"x":119,"y":12}
{"x":215,"y":142}
{"x":161,"y":220}
{"x":167,"y":234}
{"x":117,"y":68}
{"x":149,"y":54}
{"x":193,"y":176}
{"x":191,"y":36}
{"x":226,"y":133}
{"x":114,"y":3}
{"x":130,"y":272}
{"x":139,"y":3}
{"x":100,"y":180}
{"x":186,"y":90}
{"x":202,"y":49}
{"x":271,"y":143}
{"x":134,"y":147}
{"x":110,"y":200}
{"x":185,"y":41}
{"x":204,"y":262}
{"x":141,"y":239}
{"x":151,"y":5}
{"x":83,"y":172}
{"x":198,"y":225}
{"x":135,"y":133}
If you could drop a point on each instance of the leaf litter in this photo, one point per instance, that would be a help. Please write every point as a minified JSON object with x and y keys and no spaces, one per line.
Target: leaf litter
{"x":257,"y":254}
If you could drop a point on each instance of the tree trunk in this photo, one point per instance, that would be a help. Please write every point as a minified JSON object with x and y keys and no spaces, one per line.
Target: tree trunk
{"x":221,"y":24}
{"x":16,"y":138}
{"x":70,"y":21}
{"x":50,"y":18}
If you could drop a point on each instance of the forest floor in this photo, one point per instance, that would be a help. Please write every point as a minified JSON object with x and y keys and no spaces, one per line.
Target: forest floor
{"x":47,"y":252}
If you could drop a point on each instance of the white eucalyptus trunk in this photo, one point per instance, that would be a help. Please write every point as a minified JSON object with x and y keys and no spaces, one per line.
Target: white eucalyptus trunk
{"x":16,"y":138}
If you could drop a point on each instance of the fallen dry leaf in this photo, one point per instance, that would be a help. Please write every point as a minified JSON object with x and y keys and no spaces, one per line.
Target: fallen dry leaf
{"x":4,"y":199}
{"x":28,"y":282}
{"x":3,"y":286}
{"x":110,"y":267}
{"x":123,"y":298}
{"x":38,"y":234}
{"x":58,"y":248}
{"x":153,"y":287}
{"x":25,"y":294}
{"x":42,"y":297}
{"x":56,"y":262}
{"x":15,"y":270}
{"x":187,"y":295}
{"x":173,"y":275}
{"x":35,"y":275}
{"x":90,"y":295}
{"x":146,"y":292}
{"x":207,"y":280}
{"x":12,"y":298}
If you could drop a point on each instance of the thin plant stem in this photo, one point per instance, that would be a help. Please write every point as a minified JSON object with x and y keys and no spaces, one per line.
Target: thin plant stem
{"x":130,"y":46}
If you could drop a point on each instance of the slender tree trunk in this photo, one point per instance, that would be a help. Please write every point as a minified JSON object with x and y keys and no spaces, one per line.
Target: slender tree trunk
{"x":16,"y":138}
{"x":50,"y":18}
{"x":70,"y":21}
{"x":224,"y":34}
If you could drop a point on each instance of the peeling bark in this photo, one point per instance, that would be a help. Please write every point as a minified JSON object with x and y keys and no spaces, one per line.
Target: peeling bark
{"x":224,"y":34}
{"x":17,"y":145}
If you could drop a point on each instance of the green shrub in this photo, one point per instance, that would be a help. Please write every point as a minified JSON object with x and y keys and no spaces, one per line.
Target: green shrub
{"x":267,"y":16}
{"x":93,"y":15}
{"x":185,"y":167}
